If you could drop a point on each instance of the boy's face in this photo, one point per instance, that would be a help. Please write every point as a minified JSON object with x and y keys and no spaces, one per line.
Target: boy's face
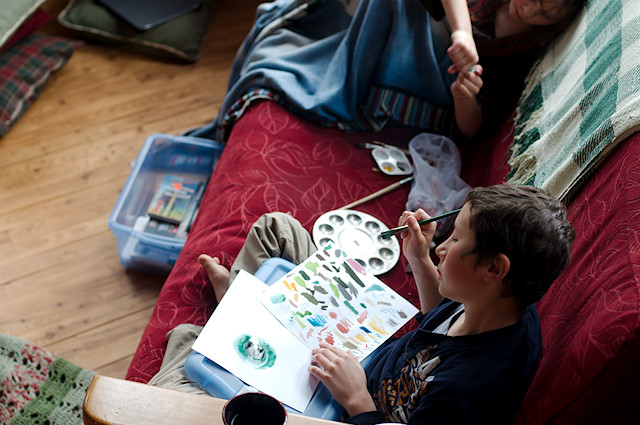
{"x":458,"y":275}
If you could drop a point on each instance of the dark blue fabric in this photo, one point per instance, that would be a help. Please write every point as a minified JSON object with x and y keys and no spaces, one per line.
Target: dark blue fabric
{"x":324,"y":63}
{"x":472,"y":379}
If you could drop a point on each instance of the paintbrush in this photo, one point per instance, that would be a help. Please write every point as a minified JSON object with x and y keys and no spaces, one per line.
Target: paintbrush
{"x":380,"y":192}
{"x":388,"y":233}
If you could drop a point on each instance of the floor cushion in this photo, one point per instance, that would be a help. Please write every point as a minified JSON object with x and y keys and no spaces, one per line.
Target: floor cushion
{"x":25,"y":69}
{"x":180,"y":38}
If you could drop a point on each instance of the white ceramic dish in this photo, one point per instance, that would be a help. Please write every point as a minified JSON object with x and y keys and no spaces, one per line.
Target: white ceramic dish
{"x":392,"y":161}
{"x":358,"y":234}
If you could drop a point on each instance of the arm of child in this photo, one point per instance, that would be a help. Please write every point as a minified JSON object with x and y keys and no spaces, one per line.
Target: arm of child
{"x":463,"y":52}
{"x":344,"y":377}
{"x":415,"y":246}
{"x":467,"y":109}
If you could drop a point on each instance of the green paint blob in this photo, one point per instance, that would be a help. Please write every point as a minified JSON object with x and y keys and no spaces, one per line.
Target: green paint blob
{"x":375,"y":287}
{"x":310,"y":298}
{"x":306,"y":313}
{"x":351,"y":307}
{"x":300,"y":282}
{"x":300,"y":322}
{"x":320,"y":290}
{"x":334,"y":288}
{"x":255,"y":351}
{"x":341,"y":282}
{"x":278,"y":298}
{"x":312,"y":266}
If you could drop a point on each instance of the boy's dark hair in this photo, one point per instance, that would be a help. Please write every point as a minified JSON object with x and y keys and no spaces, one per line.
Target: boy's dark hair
{"x":530,"y":227}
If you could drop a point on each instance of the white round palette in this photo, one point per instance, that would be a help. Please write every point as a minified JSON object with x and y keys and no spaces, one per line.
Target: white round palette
{"x":358,"y":234}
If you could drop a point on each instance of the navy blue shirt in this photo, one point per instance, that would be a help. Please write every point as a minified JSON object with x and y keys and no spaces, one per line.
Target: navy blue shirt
{"x":430,"y":378}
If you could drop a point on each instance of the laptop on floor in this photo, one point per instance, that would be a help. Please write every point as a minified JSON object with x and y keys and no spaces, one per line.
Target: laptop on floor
{"x":146,"y":14}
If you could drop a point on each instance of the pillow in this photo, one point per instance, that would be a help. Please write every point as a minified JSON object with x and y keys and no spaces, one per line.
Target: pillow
{"x":31,"y":25}
{"x":179,"y":38}
{"x":12,"y":14}
{"x":25,"y":68}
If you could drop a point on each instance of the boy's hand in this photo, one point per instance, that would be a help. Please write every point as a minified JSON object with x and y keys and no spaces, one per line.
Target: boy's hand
{"x":462,"y":52}
{"x":343,"y":376}
{"x":468,"y":84}
{"x":416,"y":239}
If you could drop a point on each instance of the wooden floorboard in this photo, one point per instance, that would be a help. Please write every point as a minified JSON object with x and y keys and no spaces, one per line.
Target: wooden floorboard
{"x":62,"y":166}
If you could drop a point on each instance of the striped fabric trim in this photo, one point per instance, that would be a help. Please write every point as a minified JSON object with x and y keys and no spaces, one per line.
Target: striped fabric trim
{"x":387,"y":105}
{"x":384,"y":106}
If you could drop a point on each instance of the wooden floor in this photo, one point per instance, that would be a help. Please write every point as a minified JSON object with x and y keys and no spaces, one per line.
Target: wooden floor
{"x":61,"y":169}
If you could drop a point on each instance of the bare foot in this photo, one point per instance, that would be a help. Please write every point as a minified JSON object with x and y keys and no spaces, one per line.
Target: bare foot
{"x":218,"y":274}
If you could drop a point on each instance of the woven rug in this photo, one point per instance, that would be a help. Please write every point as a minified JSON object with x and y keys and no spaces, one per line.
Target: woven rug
{"x":37,"y":387}
{"x":581,"y":99}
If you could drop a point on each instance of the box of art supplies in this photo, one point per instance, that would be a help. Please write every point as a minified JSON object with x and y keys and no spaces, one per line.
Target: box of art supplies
{"x":159,"y":201}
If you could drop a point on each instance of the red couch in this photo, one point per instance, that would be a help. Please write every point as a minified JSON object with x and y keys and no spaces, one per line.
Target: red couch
{"x":274,"y":161}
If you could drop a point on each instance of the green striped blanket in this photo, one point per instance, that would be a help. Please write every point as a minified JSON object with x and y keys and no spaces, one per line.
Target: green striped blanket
{"x":581,"y":99}
{"x":37,"y":387}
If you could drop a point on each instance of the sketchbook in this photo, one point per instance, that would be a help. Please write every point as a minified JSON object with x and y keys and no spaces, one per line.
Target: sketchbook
{"x":264,"y":334}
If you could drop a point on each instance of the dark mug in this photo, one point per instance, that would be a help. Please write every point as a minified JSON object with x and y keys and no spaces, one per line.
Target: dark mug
{"x":252,"y":409}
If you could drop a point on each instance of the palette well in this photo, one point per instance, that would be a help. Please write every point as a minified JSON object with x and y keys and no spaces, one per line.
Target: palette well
{"x":359,"y":234}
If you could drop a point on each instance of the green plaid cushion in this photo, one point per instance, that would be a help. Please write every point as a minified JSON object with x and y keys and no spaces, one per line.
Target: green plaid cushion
{"x":25,"y":68}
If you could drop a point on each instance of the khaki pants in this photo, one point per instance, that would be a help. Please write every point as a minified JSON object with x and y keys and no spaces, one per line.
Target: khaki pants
{"x":272,"y":235}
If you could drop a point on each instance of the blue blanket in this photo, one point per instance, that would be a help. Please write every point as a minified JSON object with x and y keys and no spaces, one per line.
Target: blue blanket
{"x":385,"y":62}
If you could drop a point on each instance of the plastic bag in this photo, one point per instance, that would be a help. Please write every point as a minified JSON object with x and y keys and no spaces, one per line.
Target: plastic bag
{"x":437,"y":187}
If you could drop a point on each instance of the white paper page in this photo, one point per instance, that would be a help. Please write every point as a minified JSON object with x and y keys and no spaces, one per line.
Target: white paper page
{"x":282,"y":369}
{"x":331,"y":298}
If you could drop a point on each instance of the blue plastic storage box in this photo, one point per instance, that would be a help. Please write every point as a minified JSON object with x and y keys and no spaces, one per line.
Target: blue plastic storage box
{"x":161,"y":155}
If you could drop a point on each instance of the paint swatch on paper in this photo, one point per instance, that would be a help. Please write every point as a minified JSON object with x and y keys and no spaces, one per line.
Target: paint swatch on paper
{"x":242,"y":337}
{"x":331,"y":298}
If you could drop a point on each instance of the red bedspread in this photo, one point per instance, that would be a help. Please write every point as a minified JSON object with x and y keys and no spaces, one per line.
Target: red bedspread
{"x":277,"y":162}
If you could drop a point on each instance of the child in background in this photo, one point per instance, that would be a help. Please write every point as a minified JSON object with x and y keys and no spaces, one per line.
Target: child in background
{"x":362,"y":65}
{"x":504,"y":30}
{"x":475,"y":352}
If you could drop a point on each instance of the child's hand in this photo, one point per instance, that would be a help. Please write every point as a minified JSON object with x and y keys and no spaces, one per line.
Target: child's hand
{"x":416,"y":239}
{"x":468,"y":84}
{"x":462,"y":52}
{"x":343,"y":376}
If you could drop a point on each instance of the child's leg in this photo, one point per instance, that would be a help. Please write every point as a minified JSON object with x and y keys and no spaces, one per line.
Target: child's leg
{"x":273,"y":235}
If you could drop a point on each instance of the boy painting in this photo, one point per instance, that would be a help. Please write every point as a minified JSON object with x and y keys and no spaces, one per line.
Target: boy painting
{"x":473,"y":356}
{"x":475,"y":351}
